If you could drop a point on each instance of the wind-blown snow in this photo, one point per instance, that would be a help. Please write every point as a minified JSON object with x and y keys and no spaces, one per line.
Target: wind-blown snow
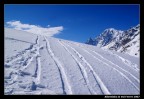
{"x":36,"y":64}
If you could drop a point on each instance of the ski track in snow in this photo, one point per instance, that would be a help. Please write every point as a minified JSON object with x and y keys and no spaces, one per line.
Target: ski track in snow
{"x":65,"y":83}
{"x":115,"y":68}
{"x":97,"y":78}
{"x":126,"y":61}
{"x":38,"y":64}
{"x":21,"y":55}
{"x":19,"y":79}
{"x":21,"y":67}
{"x":20,"y":71}
{"x":82,"y":70}
{"x":122,"y":59}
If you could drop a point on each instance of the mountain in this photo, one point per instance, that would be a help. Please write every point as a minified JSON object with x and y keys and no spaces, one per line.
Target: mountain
{"x":37,"y":64}
{"x":121,"y":41}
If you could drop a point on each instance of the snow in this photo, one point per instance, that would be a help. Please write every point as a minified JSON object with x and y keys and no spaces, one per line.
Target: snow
{"x":134,"y":47}
{"x":37,"y":64}
{"x":120,"y":41}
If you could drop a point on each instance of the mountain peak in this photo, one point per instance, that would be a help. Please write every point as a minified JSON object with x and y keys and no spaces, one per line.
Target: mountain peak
{"x":118,"y":40}
{"x":110,"y":29}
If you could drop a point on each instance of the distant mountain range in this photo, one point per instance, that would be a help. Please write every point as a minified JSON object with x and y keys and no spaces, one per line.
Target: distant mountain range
{"x":121,"y":41}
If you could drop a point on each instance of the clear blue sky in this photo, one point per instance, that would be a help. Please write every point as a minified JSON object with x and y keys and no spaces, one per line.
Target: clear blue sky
{"x":79,"y":21}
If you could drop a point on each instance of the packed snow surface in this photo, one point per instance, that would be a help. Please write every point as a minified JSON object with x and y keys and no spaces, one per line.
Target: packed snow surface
{"x":36,"y":64}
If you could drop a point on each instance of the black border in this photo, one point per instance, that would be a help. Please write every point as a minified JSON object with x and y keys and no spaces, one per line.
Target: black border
{"x":73,"y":2}
{"x":141,"y":49}
{"x":2,"y":49}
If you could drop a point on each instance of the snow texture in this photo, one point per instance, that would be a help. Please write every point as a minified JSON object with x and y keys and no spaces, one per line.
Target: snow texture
{"x":36,"y":64}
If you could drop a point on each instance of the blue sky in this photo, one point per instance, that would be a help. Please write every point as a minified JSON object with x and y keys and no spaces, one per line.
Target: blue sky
{"x":76,"y":22}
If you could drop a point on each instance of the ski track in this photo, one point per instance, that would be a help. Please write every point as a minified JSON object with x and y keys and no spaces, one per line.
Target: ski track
{"x":115,"y":68}
{"x":20,"y":55}
{"x":27,"y":53}
{"x":16,"y":71}
{"x":113,"y":63}
{"x":126,"y":61}
{"x":16,"y":57}
{"x":97,"y":78}
{"x":65,"y":83}
{"x":82,"y":70}
{"x":38,"y":64}
{"x":20,"y":62}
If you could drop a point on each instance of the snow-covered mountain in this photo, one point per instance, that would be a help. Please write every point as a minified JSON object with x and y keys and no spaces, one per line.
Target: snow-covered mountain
{"x":37,"y":64}
{"x":120,"y":41}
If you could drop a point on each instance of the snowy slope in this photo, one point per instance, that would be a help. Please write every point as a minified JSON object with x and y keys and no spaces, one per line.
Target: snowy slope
{"x":36,"y":64}
{"x":120,"y":41}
